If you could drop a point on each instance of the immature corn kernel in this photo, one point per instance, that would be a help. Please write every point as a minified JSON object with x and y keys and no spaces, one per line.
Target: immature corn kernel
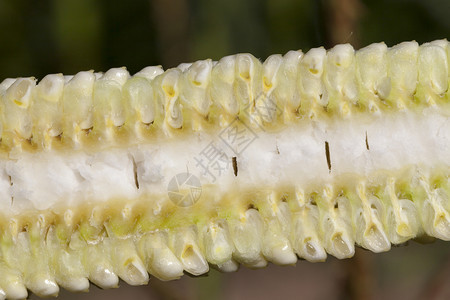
{"x":108,"y":176}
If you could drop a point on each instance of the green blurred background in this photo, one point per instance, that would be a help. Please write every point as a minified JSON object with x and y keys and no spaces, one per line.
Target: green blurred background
{"x":52,"y":36}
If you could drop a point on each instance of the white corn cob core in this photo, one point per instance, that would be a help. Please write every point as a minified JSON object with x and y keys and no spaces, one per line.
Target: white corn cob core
{"x":302,"y":155}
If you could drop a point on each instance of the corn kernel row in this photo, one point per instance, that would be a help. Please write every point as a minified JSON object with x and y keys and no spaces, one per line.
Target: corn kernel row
{"x":198,"y":96}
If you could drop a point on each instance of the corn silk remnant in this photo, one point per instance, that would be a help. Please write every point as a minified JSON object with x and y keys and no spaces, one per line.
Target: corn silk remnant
{"x":106,"y":175}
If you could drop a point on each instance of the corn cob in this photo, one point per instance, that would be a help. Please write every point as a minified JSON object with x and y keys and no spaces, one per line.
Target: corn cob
{"x":108,"y":176}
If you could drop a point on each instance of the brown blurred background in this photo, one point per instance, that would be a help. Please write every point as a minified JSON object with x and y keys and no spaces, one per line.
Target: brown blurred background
{"x":49,"y":36}
{"x":52,"y":36}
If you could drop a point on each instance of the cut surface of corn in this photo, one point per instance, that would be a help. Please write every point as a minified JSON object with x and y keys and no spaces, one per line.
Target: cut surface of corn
{"x":107,"y":176}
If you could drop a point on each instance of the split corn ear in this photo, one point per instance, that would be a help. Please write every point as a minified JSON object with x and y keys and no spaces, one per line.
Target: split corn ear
{"x":108,"y":176}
